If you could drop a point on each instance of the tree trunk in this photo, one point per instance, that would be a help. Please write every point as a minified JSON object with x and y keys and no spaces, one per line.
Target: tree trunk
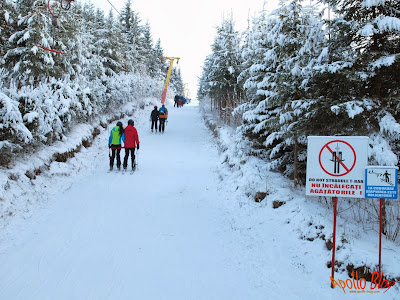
{"x":228,"y":107}
{"x":295,"y":171}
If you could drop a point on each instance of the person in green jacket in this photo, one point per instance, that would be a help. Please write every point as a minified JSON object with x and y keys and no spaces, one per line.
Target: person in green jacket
{"x":114,"y":143}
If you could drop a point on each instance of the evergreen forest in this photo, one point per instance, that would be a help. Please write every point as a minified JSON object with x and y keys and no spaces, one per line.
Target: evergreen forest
{"x":61,"y":66}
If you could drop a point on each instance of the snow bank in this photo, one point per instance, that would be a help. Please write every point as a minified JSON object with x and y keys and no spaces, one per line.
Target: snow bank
{"x":309,"y":219}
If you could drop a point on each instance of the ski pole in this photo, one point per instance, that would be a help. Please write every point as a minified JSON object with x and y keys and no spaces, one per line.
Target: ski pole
{"x":137,"y":156}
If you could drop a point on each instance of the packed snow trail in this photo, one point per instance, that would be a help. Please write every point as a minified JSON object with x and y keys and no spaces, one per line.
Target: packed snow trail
{"x":149,"y":235}
{"x":168,"y":231}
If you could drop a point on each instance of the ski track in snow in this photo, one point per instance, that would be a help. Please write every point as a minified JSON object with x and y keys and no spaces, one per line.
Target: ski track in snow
{"x":164,"y":232}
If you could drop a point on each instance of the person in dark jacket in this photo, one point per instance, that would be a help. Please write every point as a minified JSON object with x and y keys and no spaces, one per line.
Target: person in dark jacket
{"x":176,"y":100}
{"x":131,"y":141}
{"x":154,"y":118}
{"x":114,"y":142}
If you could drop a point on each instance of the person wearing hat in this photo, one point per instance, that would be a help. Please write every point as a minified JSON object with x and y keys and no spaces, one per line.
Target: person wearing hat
{"x":154,"y":118}
{"x":131,"y":141}
{"x":114,"y":143}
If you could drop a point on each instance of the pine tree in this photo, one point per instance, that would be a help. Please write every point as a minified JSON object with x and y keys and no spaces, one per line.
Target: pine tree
{"x":27,"y":63}
{"x":373,"y":28}
{"x":146,"y":49}
{"x":176,"y":80}
{"x":282,"y":52}
{"x":253,"y":67}
{"x":65,"y":39}
{"x":8,"y":16}
{"x":133,"y":31}
{"x":223,"y":69}
{"x":110,"y":44}
{"x":157,"y":65}
{"x":369,"y":33}
{"x":89,"y":57}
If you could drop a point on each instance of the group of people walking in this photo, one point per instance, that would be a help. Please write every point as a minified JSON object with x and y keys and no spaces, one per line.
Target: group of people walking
{"x":129,"y":136}
{"x":159,"y":115}
{"x":179,"y":101}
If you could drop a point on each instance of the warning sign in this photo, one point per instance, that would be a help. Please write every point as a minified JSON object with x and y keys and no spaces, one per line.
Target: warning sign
{"x":336,"y":166}
{"x":381,"y":182}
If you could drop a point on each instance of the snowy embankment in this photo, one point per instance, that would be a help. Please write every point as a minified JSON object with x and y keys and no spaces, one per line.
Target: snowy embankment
{"x":310,"y":219}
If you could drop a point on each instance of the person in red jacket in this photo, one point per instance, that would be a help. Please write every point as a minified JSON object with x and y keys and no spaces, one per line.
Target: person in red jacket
{"x":131,"y":142}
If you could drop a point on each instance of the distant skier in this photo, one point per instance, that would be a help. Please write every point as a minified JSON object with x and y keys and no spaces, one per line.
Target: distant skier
{"x":176,"y":100}
{"x":131,"y":141}
{"x":163,"y":115}
{"x":154,"y":118}
{"x":114,"y":142}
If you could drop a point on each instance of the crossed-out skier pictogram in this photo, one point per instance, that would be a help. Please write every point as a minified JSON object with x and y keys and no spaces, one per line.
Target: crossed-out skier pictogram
{"x":339,"y":164}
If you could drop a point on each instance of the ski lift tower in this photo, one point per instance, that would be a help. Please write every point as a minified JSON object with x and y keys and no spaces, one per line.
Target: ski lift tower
{"x":184,"y":89}
{"x":171,"y":62}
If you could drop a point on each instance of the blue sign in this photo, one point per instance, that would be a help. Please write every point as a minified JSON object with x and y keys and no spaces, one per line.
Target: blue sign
{"x":381,"y":182}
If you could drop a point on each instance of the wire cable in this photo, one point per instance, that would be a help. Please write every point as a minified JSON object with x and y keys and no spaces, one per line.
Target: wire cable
{"x":113,"y":7}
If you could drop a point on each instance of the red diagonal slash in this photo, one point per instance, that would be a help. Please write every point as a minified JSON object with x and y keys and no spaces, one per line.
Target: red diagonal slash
{"x":337,"y":159}
{"x":51,"y":50}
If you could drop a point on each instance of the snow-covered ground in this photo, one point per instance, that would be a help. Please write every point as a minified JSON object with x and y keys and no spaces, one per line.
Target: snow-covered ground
{"x":184,"y":226}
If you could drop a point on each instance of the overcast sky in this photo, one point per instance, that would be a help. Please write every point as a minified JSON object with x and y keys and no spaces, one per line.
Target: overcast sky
{"x":187,"y":28}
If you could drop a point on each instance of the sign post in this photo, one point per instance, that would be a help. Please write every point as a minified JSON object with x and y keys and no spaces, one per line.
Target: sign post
{"x":334,"y":238}
{"x":380,"y":233}
{"x":335,"y":168}
{"x":381,"y":182}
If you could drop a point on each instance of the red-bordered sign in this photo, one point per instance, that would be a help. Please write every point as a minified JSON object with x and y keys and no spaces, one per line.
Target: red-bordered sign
{"x":339,"y":164}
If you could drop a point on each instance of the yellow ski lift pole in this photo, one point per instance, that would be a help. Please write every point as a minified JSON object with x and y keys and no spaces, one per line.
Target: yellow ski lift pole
{"x":171,"y":62}
{"x":183,"y":90}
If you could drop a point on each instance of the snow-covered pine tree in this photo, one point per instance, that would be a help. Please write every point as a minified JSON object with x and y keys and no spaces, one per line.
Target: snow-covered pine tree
{"x":8,"y":16}
{"x":258,"y":77}
{"x":157,"y":65}
{"x":282,"y":51}
{"x":110,"y":45}
{"x":12,"y":128}
{"x":253,"y":67}
{"x":26,"y":62}
{"x":65,"y":37}
{"x":146,"y":49}
{"x":89,"y":64}
{"x":371,"y":29}
{"x":205,"y":83}
{"x":302,"y":47}
{"x":130,"y":20}
{"x":176,"y":80}
{"x":224,"y":67}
